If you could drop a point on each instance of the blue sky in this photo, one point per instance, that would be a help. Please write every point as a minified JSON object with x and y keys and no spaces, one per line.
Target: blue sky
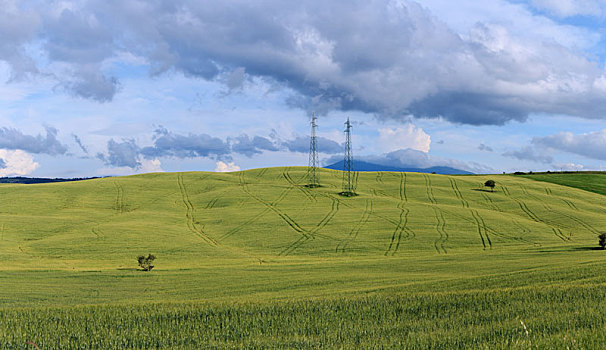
{"x":122,"y":87}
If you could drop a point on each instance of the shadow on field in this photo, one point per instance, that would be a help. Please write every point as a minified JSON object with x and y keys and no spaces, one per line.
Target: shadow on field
{"x":587,"y":248}
{"x":483,"y":190}
{"x":128,"y":269}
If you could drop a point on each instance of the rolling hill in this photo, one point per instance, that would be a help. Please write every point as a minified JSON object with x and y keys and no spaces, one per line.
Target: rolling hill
{"x":257,"y":250}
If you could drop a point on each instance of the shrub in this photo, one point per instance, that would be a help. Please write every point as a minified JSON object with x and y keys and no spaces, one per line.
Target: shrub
{"x":602,"y":241}
{"x":146,"y":262}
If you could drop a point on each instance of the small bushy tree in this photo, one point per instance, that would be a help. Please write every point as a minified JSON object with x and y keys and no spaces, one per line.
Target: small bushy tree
{"x":491,"y":184}
{"x":602,"y":241}
{"x":146,"y":262}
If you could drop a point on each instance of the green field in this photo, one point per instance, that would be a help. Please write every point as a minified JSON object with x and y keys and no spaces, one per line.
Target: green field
{"x":588,"y":181}
{"x":256,"y":259}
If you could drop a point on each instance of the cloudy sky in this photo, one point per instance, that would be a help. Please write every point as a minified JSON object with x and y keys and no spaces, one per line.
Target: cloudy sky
{"x":91,"y":88}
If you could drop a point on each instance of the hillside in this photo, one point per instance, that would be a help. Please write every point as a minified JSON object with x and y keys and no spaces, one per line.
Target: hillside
{"x":267,"y":213}
{"x":588,"y":181}
{"x":259,"y":253}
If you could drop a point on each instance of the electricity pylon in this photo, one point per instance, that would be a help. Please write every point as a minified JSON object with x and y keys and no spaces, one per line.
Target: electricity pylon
{"x":312,"y":170}
{"x":349,"y":187}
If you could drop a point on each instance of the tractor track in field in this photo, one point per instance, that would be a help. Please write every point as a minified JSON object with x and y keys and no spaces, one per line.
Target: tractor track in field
{"x":306,"y":192}
{"x":457,"y":192}
{"x":481,"y":225}
{"x":570,"y":204}
{"x":488,"y":229}
{"x":403,"y":196}
{"x":581,"y":222}
{"x":119,"y":202}
{"x":257,"y":216}
{"x":558,"y":233}
{"x":401,"y":232}
{"x":313,"y":233}
{"x":540,"y":200}
{"x":192,"y":225}
{"x":429,"y":190}
{"x":441,"y":229}
{"x":353,"y":234}
{"x":262,"y":172}
{"x":548,"y":191}
{"x":271,"y":206}
{"x":94,"y":230}
{"x":490,"y":202}
{"x":379,"y":177}
{"x":211,"y":204}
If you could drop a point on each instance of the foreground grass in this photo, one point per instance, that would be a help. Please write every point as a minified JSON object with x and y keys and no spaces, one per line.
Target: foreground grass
{"x":555,"y":317}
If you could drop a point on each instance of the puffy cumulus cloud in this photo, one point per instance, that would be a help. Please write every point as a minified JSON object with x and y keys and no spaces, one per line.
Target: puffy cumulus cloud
{"x":569,"y":8}
{"x":301,"y":144}
{"x":16,"y":163}
{"x":396,"y":59}
{"x":529,"y":153}
{"x":590,"y":145}
{"x":243,"y":144}
{"x":150,"y":166}
{"x":405,"y":137}
{"x":15,"y":140}
{"x":223,"y":167}
{"x":169,"y":144}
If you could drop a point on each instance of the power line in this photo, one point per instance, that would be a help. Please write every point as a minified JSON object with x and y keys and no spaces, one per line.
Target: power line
{"x":312,"y":170}
{"x":348,"y":186}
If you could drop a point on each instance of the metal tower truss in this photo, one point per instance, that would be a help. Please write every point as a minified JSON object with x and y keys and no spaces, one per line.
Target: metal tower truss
{"x":312,"y":170}
{"x":349,"y":181}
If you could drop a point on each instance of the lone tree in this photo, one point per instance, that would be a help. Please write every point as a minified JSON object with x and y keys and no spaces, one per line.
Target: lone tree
{"x":146,"y":262}
{"x":602,"y":241}
{"x":491,"y":184}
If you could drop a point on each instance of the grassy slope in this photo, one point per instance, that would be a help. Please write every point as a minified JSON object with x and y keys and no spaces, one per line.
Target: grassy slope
{"x":255,"y":235}
{"x":588,"y":181}
{"x":415,"y":260}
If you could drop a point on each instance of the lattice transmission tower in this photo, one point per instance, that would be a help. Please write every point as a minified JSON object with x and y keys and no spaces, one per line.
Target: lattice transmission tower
{"x":312,"y":170}
{"x":349,"y":186}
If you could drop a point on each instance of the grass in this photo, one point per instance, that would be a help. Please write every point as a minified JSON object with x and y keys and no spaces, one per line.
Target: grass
{"x":588,"y":181}
{"x":256,"y":259}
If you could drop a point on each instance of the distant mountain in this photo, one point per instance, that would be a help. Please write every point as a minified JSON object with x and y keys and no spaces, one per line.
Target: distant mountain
{"x":365,"y":166}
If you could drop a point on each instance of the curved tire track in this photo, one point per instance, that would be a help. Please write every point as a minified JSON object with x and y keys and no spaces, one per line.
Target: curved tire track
{"x":190,"y":214}
{"x":353,"y":234}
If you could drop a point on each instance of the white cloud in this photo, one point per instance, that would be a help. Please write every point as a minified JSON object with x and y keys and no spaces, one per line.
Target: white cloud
{"x":569,"y":8}
{"x":150,"y":166}
{"x":408,"y":136}
{"x":568,"y":166}
{"x":16,"y":163}
{"x":226,"y":167}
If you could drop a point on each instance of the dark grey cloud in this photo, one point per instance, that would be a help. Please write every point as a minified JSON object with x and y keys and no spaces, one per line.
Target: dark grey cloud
{"x":301,"y":144}
{"x":529,"y":153}
{"x":396,"y":59}
{"x":121,"y":154}
{"x":168,"y":144}
{"x":590,"y":145}
{"x":483,"y":147}
{"x":15,"y":139}
{"x":80,"y":144}
{"x":243,"y":144}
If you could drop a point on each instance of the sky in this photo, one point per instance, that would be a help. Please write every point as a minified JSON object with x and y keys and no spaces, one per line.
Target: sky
{"x":108,"y":87}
